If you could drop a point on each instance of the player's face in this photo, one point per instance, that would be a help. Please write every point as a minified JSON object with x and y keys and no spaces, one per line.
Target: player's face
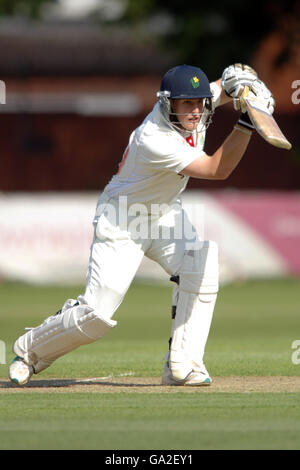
{"x":188,"y":112}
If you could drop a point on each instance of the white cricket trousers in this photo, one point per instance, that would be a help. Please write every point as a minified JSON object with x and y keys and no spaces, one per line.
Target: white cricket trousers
{"x":122,"y":236}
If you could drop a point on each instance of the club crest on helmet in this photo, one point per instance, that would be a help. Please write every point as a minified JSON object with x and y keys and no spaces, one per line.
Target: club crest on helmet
{"x":195,"y":82}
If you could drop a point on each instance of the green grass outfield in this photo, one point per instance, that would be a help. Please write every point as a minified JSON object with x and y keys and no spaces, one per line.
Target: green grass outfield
{"x":250,"y":344}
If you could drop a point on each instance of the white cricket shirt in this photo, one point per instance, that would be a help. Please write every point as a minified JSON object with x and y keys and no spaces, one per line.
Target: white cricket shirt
{"x":149,"y":172}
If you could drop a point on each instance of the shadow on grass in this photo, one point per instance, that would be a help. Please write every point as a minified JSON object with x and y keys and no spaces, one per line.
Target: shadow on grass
{"x":65,"y":383}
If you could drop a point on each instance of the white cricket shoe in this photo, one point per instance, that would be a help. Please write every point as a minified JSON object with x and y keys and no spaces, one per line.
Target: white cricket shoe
{"x":20,"y":372}
{"x":195,"y":378}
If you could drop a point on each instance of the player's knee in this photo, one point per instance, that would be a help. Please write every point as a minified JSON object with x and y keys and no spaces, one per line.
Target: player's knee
{"x":103,"y":300}
{"x":199,"y":273}
{"x":88,"y":322}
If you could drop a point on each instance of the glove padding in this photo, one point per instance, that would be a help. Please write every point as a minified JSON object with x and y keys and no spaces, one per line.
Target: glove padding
{"x":258,"y":91}
{"x":236,"y":77}
{"x":263,"y":94}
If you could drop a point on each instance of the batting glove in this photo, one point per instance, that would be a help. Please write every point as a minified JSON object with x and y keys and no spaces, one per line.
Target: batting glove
{"x":236,"y":77}
{"x":263,"y":94}
{"x":239,"y":103}
{"x":260,"y":94}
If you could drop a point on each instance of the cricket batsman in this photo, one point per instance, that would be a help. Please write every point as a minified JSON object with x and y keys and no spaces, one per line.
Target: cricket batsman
{"x":162,"y":154}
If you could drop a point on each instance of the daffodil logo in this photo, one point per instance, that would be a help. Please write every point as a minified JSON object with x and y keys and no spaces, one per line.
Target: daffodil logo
{"x":195,"y":82}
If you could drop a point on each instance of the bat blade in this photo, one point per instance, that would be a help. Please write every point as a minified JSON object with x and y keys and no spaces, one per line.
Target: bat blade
{"x":265,"y":124}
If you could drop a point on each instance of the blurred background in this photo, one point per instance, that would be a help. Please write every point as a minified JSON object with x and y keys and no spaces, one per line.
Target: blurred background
{"x":81,"y":75}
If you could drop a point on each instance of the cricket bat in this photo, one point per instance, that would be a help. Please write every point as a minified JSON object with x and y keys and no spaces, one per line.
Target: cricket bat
{"x":265,"y":124}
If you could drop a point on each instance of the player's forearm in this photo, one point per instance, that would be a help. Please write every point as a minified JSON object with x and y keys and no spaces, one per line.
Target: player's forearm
{"x":223,"y":97}
{"x":230,"y":153}
{"x":221,"y":164}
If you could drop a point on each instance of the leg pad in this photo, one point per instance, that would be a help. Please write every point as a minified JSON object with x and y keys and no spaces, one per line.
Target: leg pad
{"x":60,"y":334}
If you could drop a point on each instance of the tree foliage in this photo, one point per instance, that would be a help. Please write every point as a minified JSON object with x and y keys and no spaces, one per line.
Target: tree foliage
{"x":211,"y":34}
{"x":208,"y":34}
{"x":29,"y":8}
